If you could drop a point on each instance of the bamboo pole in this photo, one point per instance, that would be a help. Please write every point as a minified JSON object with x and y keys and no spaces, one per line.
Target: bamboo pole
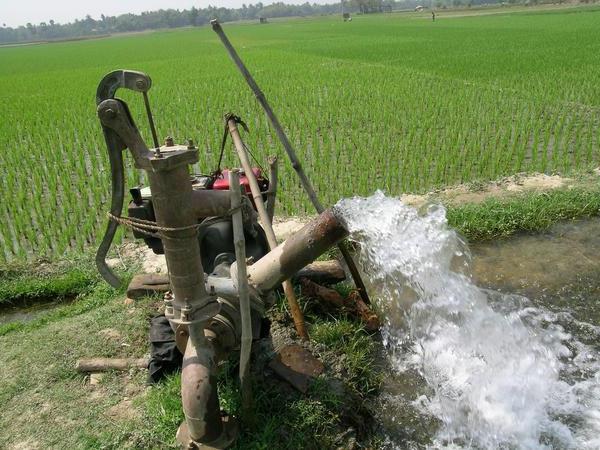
{"x":216,"y":26}
{"x":288,"y":289}
{"x":243,"y":290}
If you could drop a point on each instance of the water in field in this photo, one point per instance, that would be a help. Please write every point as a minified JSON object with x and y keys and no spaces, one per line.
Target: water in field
{"x":29,"y":310}
{"x":474,"y":367}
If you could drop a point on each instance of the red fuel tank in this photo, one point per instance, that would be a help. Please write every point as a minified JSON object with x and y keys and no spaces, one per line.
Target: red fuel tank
{"x":222,"y":182}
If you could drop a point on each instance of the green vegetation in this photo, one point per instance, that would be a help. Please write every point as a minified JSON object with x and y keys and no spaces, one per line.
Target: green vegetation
{"x":27,"y":285}
{"x":495,"y":218}
{"x":388,"y":101}
{"x":346,"y":338}
{"x":69,"y":279}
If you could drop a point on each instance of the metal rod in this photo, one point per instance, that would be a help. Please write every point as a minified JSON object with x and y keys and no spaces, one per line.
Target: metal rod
{"x":272,"y":193}
{"x":243,"y":290}
{"x":288,"y":289}
{"x":151,"y":121}
{"x":216,"y":26}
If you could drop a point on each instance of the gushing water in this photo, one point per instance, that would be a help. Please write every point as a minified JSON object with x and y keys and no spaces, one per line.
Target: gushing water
{"x":501,"y":373}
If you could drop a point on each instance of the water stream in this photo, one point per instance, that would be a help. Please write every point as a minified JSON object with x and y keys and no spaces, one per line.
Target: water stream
{"x":473,"y":367}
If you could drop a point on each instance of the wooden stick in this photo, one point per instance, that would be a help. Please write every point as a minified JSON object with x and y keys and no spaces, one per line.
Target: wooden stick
{"x":323,"y":272}
{"x":243,"y":291}
{"x":106,"y":364}
{"x":288,"y":289}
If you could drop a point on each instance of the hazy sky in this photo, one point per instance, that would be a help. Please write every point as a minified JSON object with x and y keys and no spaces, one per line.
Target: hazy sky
{"x":19,"y":12}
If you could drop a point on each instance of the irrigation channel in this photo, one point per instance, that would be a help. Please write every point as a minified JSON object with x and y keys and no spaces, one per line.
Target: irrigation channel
{"x":493,"y":347}
{"x":477,"y":367}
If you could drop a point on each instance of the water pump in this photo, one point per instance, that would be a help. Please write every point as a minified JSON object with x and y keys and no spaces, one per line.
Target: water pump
{"x":216,"y":252}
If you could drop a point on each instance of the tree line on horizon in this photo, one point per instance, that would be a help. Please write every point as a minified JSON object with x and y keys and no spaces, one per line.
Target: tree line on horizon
{"x":174,"y":18}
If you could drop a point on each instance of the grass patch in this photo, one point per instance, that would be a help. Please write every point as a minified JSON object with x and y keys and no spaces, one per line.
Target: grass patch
{"x":496,"y":218}
{"x":59,"y":286}
{"x":74,"y":278}
{"x":281,"y":417}
{"x":24,"y":284}
{"x":47,"y":404}
{"x":357,"y":349}
{"x":98,"y":295}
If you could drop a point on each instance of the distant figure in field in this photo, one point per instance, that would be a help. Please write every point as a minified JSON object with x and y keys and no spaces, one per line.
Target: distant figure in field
{"x":433,"y":15}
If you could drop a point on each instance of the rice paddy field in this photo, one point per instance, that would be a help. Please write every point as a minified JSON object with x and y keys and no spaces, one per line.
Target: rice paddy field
{"x":394,"y":102}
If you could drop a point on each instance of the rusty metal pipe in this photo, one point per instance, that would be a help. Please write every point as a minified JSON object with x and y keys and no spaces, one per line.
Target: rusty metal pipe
{"x":199,"y":389}
{"x":210,"y":203}
{"x":171,"y":196}
{"x":302,"y":248}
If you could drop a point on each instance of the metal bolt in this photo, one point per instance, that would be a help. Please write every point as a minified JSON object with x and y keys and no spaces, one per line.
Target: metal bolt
{"x":191,"y":145}
{"x":185,"y":313}
{"x":169,"y":141}
{"x":140,"y":84}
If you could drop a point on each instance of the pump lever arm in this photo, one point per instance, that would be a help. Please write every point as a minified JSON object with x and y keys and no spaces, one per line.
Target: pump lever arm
{"x":122,"y":79}
{"x":116,"y":119}
{"x":120,"y":133}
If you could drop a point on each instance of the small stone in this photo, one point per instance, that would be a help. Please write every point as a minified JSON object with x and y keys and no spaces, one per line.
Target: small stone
{"x":129,"y":302}
{"x":96,"y":378}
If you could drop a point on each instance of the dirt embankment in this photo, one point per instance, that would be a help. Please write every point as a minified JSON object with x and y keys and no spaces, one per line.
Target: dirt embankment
{"x":501,"y":189}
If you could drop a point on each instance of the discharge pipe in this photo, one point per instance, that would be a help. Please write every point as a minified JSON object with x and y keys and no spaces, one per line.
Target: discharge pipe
{"x":296,"y":252}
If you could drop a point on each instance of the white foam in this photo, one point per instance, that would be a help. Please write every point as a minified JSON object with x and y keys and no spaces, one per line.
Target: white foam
{"x":503,"y":373}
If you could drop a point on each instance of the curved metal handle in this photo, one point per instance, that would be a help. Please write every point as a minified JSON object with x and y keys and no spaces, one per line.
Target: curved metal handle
{"x":115,"y":157}
{"x":125,"y":79}
{"x":135,"y":81}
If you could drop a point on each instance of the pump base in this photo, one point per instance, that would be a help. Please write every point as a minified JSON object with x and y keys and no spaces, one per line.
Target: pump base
{"x":229,"y":435}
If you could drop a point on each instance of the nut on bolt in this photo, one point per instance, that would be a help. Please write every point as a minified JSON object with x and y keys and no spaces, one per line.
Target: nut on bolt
{"x":169,"y":141}
{"x":185,"y":313}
